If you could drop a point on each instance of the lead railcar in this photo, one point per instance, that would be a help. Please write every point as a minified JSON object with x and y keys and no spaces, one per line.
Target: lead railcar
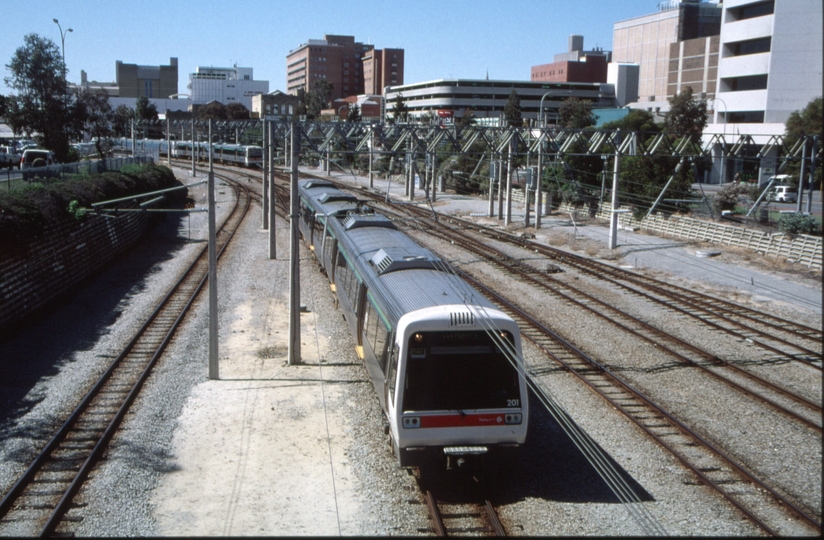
{"x":444,"y":361}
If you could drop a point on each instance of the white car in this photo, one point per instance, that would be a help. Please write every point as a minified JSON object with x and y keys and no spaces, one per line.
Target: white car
{"x":783,"y":194}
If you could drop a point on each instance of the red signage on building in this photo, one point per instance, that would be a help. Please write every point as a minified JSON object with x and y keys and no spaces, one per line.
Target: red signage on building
{"x":445,"y":113}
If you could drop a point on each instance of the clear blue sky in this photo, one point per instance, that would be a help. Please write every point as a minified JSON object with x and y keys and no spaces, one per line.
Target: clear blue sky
{"x":441,"y":39}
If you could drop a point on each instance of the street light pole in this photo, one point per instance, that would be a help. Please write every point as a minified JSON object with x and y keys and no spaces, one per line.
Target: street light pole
{"x":541,"y":111}
{"x":63,"y":43}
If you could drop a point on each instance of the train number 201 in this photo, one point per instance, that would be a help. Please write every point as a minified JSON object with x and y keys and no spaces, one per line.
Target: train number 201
{"x":513,"y":402}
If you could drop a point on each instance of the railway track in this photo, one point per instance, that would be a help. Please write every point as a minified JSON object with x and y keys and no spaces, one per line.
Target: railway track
{"x":789,"y":339}
{"x":710,"y":464}
{"x":41,"y":501}
{"x":754,"y":497}
{"x":462,"y":518}
{"x":795,"y":406}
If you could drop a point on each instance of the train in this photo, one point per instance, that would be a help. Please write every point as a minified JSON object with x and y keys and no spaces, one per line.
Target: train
{"x":444,"y":361}
{"x":238,"y":154}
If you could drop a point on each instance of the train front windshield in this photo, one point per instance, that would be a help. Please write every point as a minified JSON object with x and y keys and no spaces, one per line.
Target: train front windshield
{"x":255,"y":153}
{"x":459,"y":371}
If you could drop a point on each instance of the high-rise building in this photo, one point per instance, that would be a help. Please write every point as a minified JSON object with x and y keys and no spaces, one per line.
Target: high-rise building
{"x":341,"y":61}
{"x":382,"y":68}
{"x":134,"y":81}
{"x":225,"y":85}
{"x":770,"y":65}
{"x":646,"y":41}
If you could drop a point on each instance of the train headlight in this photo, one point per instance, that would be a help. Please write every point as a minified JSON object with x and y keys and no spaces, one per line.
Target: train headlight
{"x":513,"y":418}
{"x":418,"y":337}
{"x":411,"y":422}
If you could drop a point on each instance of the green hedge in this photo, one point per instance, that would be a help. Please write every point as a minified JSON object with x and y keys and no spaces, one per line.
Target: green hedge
{"x":26,"y":212}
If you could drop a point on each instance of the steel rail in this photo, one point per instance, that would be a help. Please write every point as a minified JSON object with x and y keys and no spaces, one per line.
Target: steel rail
{"x":515,"y":267}
{"x":528,"y":321}
{"x":155,"y":317}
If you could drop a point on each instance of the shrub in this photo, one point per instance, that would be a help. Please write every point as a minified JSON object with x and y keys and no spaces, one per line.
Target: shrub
{"x":799,"y":224}
{"x":26,"y":212}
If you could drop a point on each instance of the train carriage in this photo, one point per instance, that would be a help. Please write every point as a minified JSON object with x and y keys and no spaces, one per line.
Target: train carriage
{"x":444,"y":361}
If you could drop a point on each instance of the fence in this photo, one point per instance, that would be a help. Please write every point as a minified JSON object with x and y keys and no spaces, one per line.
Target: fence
{"x":11,"y":179}
{"x":802,"y":249}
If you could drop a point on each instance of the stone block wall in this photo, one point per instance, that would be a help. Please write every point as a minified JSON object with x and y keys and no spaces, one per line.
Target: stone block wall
{"x":60,"y":259}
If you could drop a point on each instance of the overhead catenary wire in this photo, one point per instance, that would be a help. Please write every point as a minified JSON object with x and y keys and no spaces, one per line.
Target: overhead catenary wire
{"x":591,"y":451}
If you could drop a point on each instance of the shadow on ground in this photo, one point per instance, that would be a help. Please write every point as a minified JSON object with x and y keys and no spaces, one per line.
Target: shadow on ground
{"x":46,"y":343}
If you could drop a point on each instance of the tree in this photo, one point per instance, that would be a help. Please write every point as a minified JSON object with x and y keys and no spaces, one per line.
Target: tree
{"x":354,"y":113}
{"x":214,"y":110}
{"x":637,"y":120}
{"x":806,"y":122}
{"x":145,"y":109}
{"x":237,"y":111}
{"x":318,"y":98}
{"x":400,"y":112}
{"x":122,"y":117}
{"x":97,"y":115}
{"x":512,"y":109}
{"x":687,"y":116}
{"x":41,"y":105}
{"x":467,"y":118}
{"x":2,"y":106}
{"x":576,"y":114}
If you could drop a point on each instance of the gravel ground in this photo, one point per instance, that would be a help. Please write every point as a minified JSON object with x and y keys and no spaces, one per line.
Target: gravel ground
{"x":156,"y":480}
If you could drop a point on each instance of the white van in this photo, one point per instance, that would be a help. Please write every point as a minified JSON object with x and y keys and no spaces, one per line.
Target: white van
{"x":783,"y":194}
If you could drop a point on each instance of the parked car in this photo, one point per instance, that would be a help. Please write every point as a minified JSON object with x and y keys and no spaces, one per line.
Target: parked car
{"x":31,"y":155}
{"x":783,"y":194}
{"x":9,"y":157}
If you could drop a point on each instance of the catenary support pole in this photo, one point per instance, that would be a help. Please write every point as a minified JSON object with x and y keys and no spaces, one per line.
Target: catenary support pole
{"x":816,"y":141}
{"x":168,"y":142}
{"x":434,"y":163}
{"x":501,"y":188}
{"x":538,"y":181}
{"x":801,"y":176}
{"x":613,"y":221}
{"x":493,"y":169}
{"x":264,"y":165}
{"x":371,"y":155}
{"x":294,"y":254}
{"x":214,"y":372}
{"x":509,"y":172}
{"x":194,"y":145}
{"x":270,"y":158}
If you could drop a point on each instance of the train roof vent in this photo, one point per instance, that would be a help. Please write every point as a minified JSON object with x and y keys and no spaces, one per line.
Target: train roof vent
{"x":354,"y":221}
{"x":391,"y":260}
{"x":461,"y":318}
{"x":318,"y":183}
{"x":340,"y":196}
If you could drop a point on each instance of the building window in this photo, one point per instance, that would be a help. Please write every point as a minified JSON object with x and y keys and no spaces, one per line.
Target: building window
{"x":745,"y":117}
{"x":750,"y":46}
{"x":742,"y":84}
{"x":751,"y":11}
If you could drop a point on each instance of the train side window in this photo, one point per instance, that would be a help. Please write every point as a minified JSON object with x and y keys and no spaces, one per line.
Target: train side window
{"x":393,"y":371}
{"x":381,"y":335}
{"x":369,"y":326}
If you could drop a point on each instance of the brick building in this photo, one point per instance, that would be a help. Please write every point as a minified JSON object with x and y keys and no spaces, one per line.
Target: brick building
{"x":575,"y":65}
{"x":352,"y":67}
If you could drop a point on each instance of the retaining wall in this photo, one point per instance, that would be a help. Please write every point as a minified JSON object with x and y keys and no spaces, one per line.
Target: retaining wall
{"x":801,"y":249}
{"x":60,"y":259}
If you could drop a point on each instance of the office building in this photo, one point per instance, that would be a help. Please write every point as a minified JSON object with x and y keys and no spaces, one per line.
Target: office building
{"x":646,"y":41}
{"x":134,"y":81}
{"x":352,"y":67}
{"x":274,"y":106}
{"x":225,"y":85}
{"x":575,"y":65}
{"x":382,"y":68}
